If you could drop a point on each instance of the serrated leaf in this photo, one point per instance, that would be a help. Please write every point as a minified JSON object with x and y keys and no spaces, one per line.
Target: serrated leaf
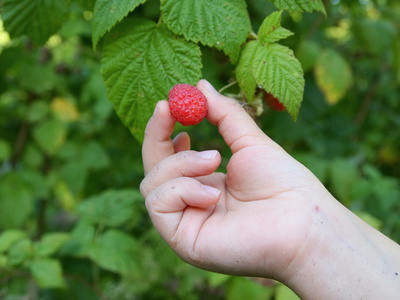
{"x":300,"y":5}
{"x":277,"y":70}
{"x":107,"y":13}
{"x":115,"y":251}
{"x":333,"y":75}
{"x":47,"y":273}
{"x":271,"y":30}
{"x":38,"y":19}
{"x":244,"y":70}
{"x":141,"y":62}
{"x":50,"y":243}
{"x":215,"y":23}
{"x":111,"y":208}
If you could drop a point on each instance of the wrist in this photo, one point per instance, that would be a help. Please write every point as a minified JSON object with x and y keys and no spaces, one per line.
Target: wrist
{"x":342,"y":257}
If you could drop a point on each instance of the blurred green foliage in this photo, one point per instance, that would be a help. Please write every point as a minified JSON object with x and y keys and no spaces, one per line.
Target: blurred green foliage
{"x":72,"y":222}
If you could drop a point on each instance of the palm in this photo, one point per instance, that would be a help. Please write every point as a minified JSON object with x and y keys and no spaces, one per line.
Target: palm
{"x":263,"y":213}
{"x":252,"y":194}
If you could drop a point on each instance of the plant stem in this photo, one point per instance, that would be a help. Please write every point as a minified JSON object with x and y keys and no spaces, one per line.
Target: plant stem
{"x":20,"y":143}
{"x":160,"y":20}
{"x":95,"y":270}
{"x":227,"y":86}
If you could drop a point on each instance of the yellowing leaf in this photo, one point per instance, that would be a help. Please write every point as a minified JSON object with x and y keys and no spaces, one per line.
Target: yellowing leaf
{"x":64,"y":109}
{"x":65,"y":196}
{"x":333,"y":75}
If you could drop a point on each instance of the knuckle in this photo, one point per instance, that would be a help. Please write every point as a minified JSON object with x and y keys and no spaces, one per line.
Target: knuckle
{"x":144,"y":190}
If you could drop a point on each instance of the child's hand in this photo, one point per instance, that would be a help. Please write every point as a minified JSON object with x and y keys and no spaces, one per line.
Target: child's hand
{"x":252,"y":220}
{"x":267,"y":216}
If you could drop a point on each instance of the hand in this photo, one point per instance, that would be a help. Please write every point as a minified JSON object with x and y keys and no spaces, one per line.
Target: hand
{"x":267,"y":216}
{"x":250,"y":221}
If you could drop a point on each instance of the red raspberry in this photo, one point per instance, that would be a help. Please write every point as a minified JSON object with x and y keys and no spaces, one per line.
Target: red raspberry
{"x":273,"y":102}
{"x":187,"y":104}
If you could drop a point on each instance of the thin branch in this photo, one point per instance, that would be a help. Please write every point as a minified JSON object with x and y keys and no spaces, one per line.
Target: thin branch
{"x":20,"y":143}
{"x":227,"y":86}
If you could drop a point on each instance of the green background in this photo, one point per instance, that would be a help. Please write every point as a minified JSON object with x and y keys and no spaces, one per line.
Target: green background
{"x":72,"y":222}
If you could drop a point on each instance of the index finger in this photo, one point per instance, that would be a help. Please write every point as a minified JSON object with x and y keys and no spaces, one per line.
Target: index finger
{"x":234,"y":124}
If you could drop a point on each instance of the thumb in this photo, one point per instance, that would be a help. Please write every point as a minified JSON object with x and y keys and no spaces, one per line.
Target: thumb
{"x":234,"y":124}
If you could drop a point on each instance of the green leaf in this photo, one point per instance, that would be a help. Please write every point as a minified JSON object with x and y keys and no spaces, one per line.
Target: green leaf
{"x":300,"y":5}
{"x":86,"y":4}
{"x":107,"y":13}
{"x":5,"y":150}
{"x":82,"y":237}
{"x":215,"y":23}
{"x":9,"y":237}
{"x":50,"y":135}
{"x":37,"y":111}
{"x":307,"y":54}
{"x":74,"y":173}
{"x":244,"y":70}
{"x":112,"y":208}
{"x":47,"y":273}
{"x":20,"y":252}
{"x":333,"y":75}
{"x":3,"y":261}
{"x":141,"y":62}
{"x":39,"y":19}
{"x":277,"y":71}
{"x":375,"y":36}
{"x":243,"y":288}
{"x":285,"y":293}
{"x":271,"y":30}
{"x":32,"y":156}
{"x":93,"y":156}
{"x":16,"y":201}
{"x":370,"y":219}
{"x":116,"y":252}
{"x":50,"y":243}
{"x":343,"y":175}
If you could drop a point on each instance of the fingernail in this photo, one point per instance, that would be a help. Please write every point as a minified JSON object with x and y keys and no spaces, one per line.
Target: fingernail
{"x":208,"y":86}
{"x":208,"y":154}
{"x":212,"y":190}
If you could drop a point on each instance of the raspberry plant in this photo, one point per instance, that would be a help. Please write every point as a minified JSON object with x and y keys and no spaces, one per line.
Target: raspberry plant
{"x":72,"y":220}
{"x":142,"y":60}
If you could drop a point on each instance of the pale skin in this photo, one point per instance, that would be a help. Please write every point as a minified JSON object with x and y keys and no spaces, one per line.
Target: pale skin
{"x":268,"y":216}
